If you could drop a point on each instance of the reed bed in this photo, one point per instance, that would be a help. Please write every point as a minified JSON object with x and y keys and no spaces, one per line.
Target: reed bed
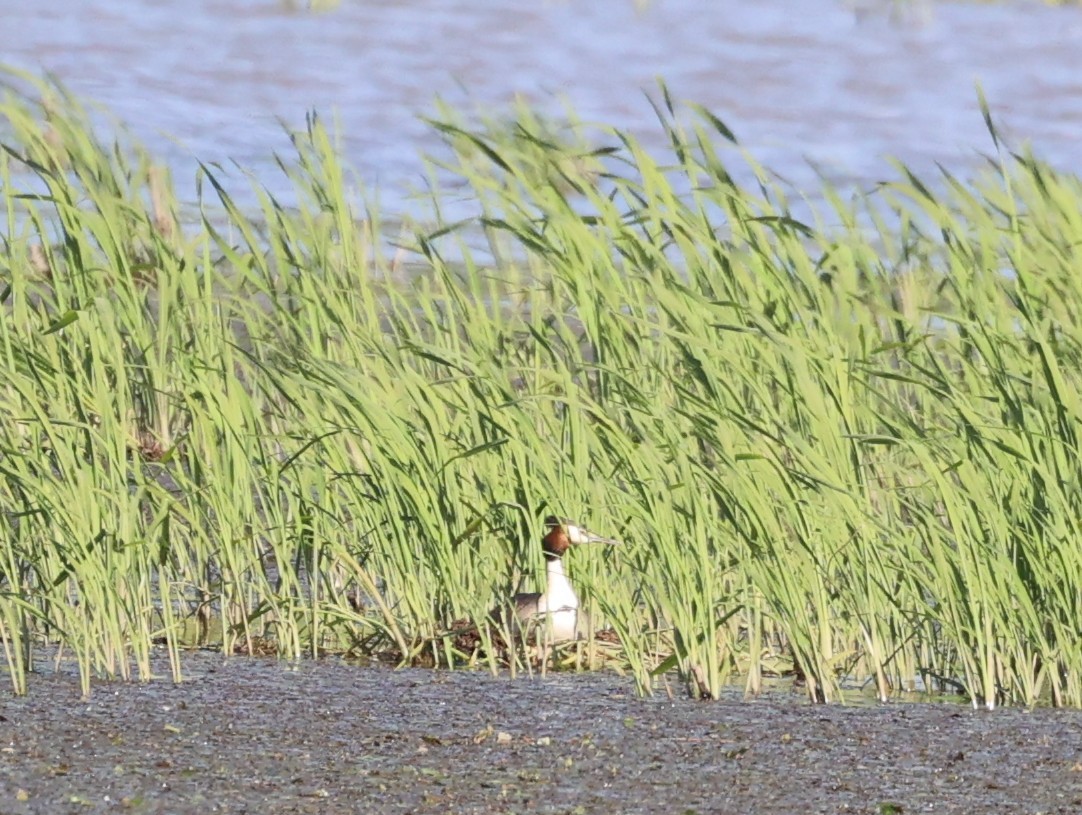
{"x":838,"y":436}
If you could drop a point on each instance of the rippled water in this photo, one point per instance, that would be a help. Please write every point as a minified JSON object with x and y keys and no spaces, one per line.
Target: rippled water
{"x":318,"y":737}
{"x":798,"y":80}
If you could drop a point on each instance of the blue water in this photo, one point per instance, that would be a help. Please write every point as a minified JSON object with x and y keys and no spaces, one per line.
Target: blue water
{"x":802,"y":83}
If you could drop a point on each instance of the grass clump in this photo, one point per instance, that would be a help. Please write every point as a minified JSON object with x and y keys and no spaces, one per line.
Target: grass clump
{"x":839,"y":438}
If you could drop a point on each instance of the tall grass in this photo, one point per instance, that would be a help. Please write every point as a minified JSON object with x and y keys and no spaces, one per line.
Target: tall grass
{"x":839,"y":437}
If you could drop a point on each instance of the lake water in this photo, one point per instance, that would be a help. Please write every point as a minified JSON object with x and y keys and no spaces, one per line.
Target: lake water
{"x":802,"y":83}
{"x":315,"y":737}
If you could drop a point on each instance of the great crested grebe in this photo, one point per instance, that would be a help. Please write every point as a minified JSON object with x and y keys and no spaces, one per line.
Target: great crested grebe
{"x":555,"y":611}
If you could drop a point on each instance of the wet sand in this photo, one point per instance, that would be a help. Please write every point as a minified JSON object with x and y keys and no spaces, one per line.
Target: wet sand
{"x":260,"y":736}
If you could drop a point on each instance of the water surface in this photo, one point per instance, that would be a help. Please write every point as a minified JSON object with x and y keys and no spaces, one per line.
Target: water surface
{"x":263,"y":736}
{"x":799,"y":81}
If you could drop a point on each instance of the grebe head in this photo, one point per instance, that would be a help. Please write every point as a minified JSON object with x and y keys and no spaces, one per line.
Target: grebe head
{"x":561,"y":534}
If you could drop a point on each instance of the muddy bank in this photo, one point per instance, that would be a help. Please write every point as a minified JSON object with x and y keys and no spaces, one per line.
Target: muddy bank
{"x":249,"y":736}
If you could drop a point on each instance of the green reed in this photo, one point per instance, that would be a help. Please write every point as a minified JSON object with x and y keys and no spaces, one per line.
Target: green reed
{"x":837,"y":436}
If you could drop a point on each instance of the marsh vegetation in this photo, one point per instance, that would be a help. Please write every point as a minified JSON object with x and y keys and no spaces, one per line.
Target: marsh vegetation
{"x":837,"y":435}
